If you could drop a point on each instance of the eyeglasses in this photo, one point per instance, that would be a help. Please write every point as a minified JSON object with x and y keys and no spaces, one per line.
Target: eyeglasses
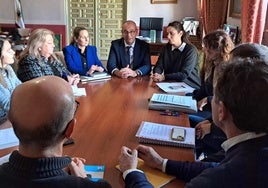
{"x":129,"y":32}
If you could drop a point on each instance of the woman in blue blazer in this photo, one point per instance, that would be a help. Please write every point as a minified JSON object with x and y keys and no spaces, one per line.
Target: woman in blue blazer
{"x":81,"y":58}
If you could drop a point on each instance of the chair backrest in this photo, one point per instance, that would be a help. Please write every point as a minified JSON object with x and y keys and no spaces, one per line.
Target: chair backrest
{"x":151,"y":23}
{"x":60,"y":56}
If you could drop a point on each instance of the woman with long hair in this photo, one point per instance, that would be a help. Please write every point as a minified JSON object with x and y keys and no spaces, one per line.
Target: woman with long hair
{"x":8,"y":78}
{"x":38,"y":58}
{"x":179,"y":59}
{"x":80,"y":57}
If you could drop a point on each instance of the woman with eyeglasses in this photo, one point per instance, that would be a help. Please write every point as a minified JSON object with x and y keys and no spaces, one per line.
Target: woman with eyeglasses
{"x":8,"y":78}
{"x":81,"y":58}
{"x":179,"y":59}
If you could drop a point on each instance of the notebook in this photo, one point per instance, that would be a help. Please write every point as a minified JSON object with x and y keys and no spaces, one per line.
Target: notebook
{"x":172,"y":102}
{"x":161,"y":134}
{"x":156,"y":177}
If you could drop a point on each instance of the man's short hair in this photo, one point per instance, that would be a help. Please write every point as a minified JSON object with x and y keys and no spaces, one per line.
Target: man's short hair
{"x":243,"y":88}
{"x":251,"y":50}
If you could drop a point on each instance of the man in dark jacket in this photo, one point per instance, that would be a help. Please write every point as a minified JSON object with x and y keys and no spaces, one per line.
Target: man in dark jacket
{"x":42,"y":114}
{"x":129,"y":56}
{"x":239,"y":108}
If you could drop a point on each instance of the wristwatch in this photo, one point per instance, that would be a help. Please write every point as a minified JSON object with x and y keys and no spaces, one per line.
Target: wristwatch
{"x":138,"y":72}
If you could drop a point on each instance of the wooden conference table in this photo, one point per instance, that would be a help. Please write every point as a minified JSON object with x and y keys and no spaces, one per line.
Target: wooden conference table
{"x":109,"y":117}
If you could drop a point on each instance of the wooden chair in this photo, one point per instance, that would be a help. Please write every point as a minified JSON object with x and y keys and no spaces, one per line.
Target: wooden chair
{"x":59,"y":55}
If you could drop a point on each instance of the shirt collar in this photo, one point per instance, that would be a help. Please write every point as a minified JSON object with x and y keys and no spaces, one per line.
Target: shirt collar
{"x":181,"y":48}
{"x":132,"y":45}
{"x":240,"y":138}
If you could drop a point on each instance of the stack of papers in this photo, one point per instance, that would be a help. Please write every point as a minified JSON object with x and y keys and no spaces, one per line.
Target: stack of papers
{"x":173,"y":102}
{"x":96,"y":76}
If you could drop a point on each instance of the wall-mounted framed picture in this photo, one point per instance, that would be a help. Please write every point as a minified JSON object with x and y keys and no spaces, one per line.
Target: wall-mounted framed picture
{"x":163,"y":1}
{"x":235,"y":8}
{"x":58,"y":42}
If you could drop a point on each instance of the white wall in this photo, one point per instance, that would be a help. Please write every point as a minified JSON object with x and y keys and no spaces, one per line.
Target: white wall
{"x":170,"y":12}
{"x":34,"y":11}
{"x":53,"y":11}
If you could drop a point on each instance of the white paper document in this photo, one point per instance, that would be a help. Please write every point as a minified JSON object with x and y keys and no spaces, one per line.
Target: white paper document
{"x":79,"y":91}
{"x":4,"y":159}
{"x":172,"y":102}
{"x":172,"y":99}
{"x":175,"y":87}
{"x":97,"y":77}
{"x":8,"y":138}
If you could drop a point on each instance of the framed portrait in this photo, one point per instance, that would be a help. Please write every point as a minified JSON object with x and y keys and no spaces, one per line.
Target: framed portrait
{"x":58,"y":42}
{"x":235,"y":8}
{"x":163,"y":1}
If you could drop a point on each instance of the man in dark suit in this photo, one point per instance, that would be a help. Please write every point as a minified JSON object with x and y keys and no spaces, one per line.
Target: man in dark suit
{"x":239,"y":107}
{"x":42,"y":114}
{"x":129,"y":56}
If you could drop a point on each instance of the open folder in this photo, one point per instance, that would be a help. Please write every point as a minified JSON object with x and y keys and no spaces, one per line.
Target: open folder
{"x":156,"y":177}
{"x":172,"y":102}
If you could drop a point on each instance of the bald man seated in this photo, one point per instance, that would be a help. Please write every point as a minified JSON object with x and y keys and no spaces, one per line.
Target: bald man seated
{"x":42,"y":113}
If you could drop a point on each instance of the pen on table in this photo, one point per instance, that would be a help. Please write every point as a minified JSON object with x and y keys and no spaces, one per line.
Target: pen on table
{"x":169,"y":113}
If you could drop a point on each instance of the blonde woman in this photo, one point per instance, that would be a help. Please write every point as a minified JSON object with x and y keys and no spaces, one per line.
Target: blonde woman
{"x":80,"y":57}
{"x":38,"y":59}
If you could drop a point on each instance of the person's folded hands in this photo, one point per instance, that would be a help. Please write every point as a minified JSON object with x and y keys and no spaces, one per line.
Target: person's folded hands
{"x":128,"y":159}
{"x":158,"y":77}
{"x":150,"y":157}
{"x":76,"y":167}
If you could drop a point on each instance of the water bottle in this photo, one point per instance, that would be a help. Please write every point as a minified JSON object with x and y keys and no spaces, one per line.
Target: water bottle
{"x":153,"y":35}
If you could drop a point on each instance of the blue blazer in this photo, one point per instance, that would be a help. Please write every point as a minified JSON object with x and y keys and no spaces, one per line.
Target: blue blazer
{"x":74,"y":61}
{"x":141,"y":59}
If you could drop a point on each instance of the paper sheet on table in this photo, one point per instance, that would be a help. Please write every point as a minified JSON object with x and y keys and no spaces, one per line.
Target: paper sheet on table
{"x":175,"y":87}
{"x":8,"y":138}
{"x":79,"y":91}
{"x":4,"y":159}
